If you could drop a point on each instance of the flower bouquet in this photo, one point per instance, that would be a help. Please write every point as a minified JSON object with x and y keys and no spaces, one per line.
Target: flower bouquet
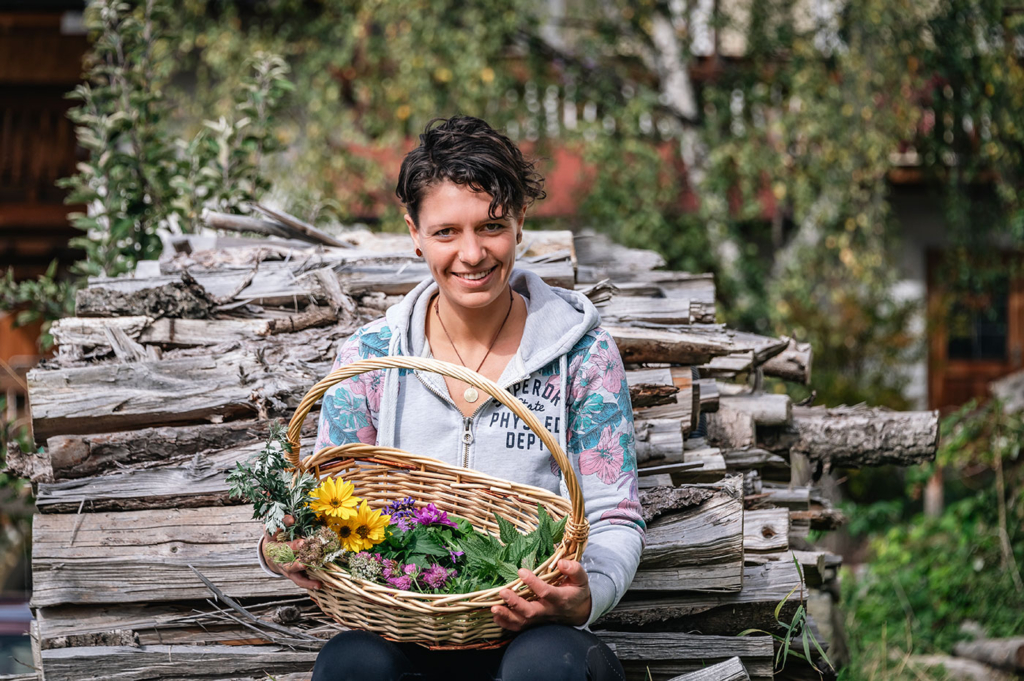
{"x":406,"y":545}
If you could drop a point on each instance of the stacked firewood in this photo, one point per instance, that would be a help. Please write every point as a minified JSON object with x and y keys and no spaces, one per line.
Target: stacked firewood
{"x":144,"y":568}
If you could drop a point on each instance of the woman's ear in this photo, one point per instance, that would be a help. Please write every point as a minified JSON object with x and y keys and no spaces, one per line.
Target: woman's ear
{"x":413,"y":232}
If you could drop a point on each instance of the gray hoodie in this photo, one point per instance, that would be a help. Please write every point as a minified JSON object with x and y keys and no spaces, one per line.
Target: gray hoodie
{"x":567,"y":371}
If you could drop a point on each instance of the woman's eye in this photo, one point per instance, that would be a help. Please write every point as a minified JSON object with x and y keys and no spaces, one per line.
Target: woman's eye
{"x":443,"y":232}
{"x":494,"y":226}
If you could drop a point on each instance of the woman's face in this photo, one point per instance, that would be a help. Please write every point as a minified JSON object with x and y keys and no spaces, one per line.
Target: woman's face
{"x":469,"y":254}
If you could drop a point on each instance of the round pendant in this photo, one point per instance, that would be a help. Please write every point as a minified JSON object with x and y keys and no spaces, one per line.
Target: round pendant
{"x":471,"y":395}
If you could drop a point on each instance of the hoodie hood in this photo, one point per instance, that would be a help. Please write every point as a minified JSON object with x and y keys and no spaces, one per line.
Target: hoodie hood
{"x":556,"y":320}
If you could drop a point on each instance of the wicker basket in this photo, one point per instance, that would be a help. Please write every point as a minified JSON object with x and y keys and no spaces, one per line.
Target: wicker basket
{"x":384,"y":474}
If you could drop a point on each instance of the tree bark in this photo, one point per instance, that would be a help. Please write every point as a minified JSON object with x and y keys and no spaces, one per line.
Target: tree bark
{"x":851,"y":437}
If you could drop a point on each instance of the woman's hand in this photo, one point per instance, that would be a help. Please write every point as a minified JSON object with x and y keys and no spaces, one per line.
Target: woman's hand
{"x":568,"y":603}
{"x":295,"y":570}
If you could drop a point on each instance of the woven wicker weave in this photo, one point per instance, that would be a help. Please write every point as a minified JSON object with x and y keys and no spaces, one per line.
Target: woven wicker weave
{"x":384,"y":474}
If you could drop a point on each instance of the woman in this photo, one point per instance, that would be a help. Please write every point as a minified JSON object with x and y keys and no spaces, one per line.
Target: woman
{"x":466,"y":189}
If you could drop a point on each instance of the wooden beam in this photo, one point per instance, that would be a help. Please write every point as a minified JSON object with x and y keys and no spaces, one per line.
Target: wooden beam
{"x":667,"y":654}
{"x":143,"y":556}
{"x":730,"y":670}
{"x":172,"y":663}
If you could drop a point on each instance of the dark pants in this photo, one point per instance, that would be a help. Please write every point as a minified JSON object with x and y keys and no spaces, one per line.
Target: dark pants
{"x":552,"y":652}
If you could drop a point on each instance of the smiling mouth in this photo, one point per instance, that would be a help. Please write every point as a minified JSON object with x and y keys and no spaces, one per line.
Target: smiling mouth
{"x":474,"y":276}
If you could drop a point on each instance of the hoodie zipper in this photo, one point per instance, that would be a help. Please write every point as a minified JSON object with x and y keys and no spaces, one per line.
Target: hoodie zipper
{"x":467,"y":421}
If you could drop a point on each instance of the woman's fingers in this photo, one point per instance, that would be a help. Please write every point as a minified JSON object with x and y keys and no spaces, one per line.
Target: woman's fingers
{"x":536,"y":584}
{"x":574,"y":572}
{"x":297,"y":573}
{"x":506,"y":619}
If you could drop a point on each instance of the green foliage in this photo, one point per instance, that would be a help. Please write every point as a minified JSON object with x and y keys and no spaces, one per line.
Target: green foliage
{"x":220,"y":167}
{"x":120,"y":124}
{"x":265,"y":482}
{"x":796,"y":630}
{"x":927,"y":576}
{"x":45,"y":298}
{"x":490,"y":562}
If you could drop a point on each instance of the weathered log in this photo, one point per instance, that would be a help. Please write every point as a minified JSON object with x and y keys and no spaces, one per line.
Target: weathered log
{"x":179,"y":622}
{"x":1002,"y":653}
{"x":792,"y":364}
{"x":667,"y":654}
{"x":266,"y":378}
{"x":625,"y":310}
{"x":171,"y":663}
{"x":822,"y":519}
{"x":649,"y":387}
{"x":200,"y":481}
{"x":697,"y":549}
{"x":781,"y":494}
{"x":766,"y":530}
{"x":754,"y":458}
{"x":660,"y":656}
{"x":90,"y":332}
{"x":713,"y":469}
{"x":764,"y":586}
{"x":730,"y":670}
{"x":694,"y":344}
{"x":678,"y":408}
{"x":767,"y":409}
{"x":657,"y":438}
{"x":818,"y":567}
{"x":79,"y":456}
{"x":179,"y":296}
{"x":657,"y":501}
{"x":856,"y":436}
{"x":728,"y":366}
{"x":275,"y":284}
{"x":244,"y":223}
{"x":143,"y":556}
{"x":731,"y":428}
{"x":601,"y":258}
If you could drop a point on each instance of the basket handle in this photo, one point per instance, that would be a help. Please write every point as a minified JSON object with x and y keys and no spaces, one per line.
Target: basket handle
{"x":578,"y":525}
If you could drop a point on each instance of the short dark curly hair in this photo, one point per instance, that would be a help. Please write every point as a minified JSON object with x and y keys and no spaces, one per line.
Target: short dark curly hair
{"x":468,"y":151}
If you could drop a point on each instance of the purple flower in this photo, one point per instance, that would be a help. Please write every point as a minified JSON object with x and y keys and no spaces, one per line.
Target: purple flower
{"x":399,"y":506}
{"x":455,"y":555}
{"x":401,"y":583}
{"x":437,"y":577}
{"x":401,"y":512}
{"x":410,"y":570}
{"x":432,"y":515}
{"x":390,"y":568}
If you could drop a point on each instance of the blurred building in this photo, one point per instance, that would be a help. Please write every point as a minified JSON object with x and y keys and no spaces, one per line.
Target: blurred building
{"x":41,"y":49}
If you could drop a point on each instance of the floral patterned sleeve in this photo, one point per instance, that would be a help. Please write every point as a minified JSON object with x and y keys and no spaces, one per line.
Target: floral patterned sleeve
{"x":350,"y":407}
{"x":602,"y":447}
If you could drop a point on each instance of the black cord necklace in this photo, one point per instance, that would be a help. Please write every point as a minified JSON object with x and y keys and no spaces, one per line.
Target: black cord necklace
{"x":471,"y":395}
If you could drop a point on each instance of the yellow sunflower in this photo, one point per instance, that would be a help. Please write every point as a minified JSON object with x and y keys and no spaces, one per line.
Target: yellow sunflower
{"x":333,"y":499}
{"x":362,"y":531}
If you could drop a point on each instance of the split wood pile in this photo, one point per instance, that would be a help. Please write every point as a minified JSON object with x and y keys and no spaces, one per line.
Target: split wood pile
{"x":144,"y":568}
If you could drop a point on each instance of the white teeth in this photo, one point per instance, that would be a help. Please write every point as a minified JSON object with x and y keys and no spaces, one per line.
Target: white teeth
{"x":475,"y":277}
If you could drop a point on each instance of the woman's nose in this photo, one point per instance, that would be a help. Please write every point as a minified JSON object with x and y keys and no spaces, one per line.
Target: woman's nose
{"x":471,"y":251}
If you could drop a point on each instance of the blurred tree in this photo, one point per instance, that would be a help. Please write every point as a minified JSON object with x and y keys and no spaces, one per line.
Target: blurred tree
{"x":766,"y":163}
